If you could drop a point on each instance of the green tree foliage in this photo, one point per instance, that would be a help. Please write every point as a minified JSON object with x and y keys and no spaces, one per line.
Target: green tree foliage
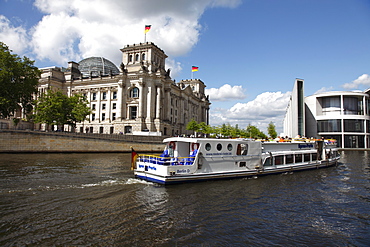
{"x":226,"y":130}
{"x":271,"y":130}
{"x":80,"y":109}
{"x":18,"y":82}
{"x":235,"y":131}
{"x":56,"y":108}
{"x":204,"y":128}
{"x":254,"y":132}
{"x":192,"y":125}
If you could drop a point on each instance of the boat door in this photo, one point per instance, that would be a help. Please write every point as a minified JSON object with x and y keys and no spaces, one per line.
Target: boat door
{"x":171,"y":148}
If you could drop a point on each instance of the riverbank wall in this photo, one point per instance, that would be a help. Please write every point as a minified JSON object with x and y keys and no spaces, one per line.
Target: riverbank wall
{"x":12,"y":141}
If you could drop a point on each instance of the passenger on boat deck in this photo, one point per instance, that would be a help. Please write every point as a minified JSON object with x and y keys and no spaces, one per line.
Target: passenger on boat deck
{"x":193,"y":153}
{"x":164,"y":154}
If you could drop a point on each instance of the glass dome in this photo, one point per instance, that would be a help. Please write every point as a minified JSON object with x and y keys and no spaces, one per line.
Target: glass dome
{"x":97,"y":66}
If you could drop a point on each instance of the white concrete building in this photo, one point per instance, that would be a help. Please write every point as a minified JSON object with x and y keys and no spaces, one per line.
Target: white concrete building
{"x":294,"y":121}
{"x":138,"y":98}
{"x":342,"y":115}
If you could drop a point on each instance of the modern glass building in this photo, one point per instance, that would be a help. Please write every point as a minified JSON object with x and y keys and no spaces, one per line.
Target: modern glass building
{"x":341,"y":115}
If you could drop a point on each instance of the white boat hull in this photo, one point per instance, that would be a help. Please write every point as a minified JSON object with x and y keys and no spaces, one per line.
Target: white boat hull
{"x":178,"y":178}
{"x":212,"y":159}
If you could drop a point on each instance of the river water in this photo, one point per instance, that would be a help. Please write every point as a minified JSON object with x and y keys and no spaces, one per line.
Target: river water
{"x":94,"y":200}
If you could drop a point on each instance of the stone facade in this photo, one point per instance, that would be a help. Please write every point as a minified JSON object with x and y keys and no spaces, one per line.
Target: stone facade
{"x":140,"y":99}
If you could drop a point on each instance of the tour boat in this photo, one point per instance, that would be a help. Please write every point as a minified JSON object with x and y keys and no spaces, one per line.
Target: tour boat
{"x":200,"y":159}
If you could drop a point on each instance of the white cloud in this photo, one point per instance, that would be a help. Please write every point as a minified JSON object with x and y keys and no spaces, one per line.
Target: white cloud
{"x":324,"y":89}
{"x":361,"y":80}
{"x":266,"y":107}
{"x":226,"y":93}
{"x":175,"y":67}
{"x":76,"y":29}
{"x":14,"y":37}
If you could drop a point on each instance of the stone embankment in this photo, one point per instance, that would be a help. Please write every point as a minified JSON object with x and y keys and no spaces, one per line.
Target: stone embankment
{"x":12,"y":141}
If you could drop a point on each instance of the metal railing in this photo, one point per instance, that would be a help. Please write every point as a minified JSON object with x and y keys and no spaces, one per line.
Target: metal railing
{"x":155,"y":159}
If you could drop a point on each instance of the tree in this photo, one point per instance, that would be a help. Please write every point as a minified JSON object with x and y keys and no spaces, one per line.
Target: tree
{"x":204,"y":128}
{"x":193,"y":125}
{"x":271,"y":130}
{"x":56,"y":108}
{"x":225,"y":130}
{"x":80,"y":110}
{"x":18,"y":82}
{"x":235,"y":131}
{"x":254,"y":132}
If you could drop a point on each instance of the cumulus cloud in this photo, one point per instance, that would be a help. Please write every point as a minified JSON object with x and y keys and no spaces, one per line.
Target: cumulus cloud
{"x":361,"y":80}
{"x":266,"y":107}
{"x":14,"y":37}
{"x":324,"y":89}
{"x":226,"y":93}
{"x":76,"y":29}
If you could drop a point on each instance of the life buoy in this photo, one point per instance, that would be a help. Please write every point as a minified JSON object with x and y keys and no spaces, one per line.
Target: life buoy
{"x":194,"y":146}
{"x":172,"y":145}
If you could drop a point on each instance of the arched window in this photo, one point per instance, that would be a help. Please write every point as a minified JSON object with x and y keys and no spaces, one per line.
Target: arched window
{"x":134,"y":93}
{"x":143,"y":57}
{"x":137,"y":57}
{"x":130,"y":59}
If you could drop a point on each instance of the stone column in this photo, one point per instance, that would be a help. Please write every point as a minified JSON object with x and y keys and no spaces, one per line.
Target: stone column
{"x":121,"y":102}
{"x":141,"y":101}
{"x":158,"y":103}
{"x":149,"y":105}
{"x":98,"y":106}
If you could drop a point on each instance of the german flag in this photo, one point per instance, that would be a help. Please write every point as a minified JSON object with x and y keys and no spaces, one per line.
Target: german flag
{"x":194,"y":68}
{"x":134,"y":156}
{"x":147,"y":28}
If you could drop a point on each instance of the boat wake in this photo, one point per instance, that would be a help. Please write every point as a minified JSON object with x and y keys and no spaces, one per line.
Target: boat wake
{"x":109,"y":182}
{"x":104,"y":183}
{"x":137,"y":181}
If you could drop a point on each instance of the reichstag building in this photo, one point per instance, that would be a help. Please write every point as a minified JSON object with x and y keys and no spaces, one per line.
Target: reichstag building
{"x":139,"y":97}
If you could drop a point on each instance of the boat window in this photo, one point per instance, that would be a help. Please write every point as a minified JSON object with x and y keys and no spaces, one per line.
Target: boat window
{"x":244,"y":149}
{"x":267,"y":162}
{"x":298,"y":158}
{"x":307,"y":157}
{"x":289,"y":159}
{"x":219,"y":146}
{"x":239,"y":150}
{"x":279,"y":160}
{"x":208,"y":147}
{"x":171,"y":148}
{"x":314,"y":156}
{"x":242,"y":164}
{"x":229,"y":147}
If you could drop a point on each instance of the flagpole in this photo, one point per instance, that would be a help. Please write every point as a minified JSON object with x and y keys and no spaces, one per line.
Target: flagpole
{"x":193,"y":69}
{"x":147,"y":28}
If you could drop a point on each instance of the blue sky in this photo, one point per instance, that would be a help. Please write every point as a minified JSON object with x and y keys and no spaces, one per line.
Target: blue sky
{"x":249,"y":52}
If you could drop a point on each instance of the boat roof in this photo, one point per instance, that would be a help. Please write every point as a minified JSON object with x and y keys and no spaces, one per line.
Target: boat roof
{"x":192,"y":140}
{"x":198,"y":140}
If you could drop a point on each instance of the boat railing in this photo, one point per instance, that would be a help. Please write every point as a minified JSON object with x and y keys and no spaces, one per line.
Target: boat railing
{"x":167,"y":161}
